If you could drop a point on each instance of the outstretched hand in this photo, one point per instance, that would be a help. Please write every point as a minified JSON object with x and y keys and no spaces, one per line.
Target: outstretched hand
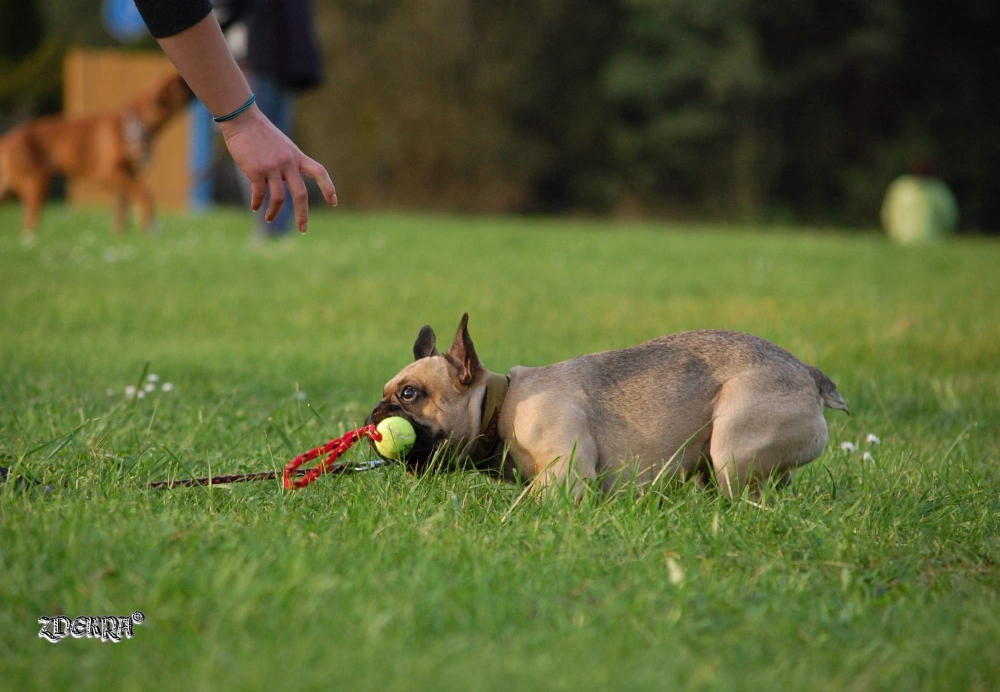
{"x":267,"y":157}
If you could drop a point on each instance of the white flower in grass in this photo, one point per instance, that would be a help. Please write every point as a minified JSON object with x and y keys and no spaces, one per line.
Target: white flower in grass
{"x":300,"y":395}
{"x":848,"y":447}
{"x":167,"y":386}
{"x":149,"y":387}
{"x":152,"y":377}
{"x":674,"y":572}
{"x":867,"y":456}
{"x":130,"y":391}
{"x":140,"y":394}
{"x":873,"y":439}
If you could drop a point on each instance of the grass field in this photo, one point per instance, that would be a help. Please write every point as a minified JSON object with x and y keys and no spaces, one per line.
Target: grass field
{"x":872,"y":572}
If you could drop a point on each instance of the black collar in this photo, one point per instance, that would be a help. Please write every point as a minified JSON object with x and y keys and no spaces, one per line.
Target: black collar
{"x":489,"y":417}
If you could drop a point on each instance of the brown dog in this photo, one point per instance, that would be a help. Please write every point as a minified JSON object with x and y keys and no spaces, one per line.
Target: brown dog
{"x":679,"y":406}
{"x":111,"y":148}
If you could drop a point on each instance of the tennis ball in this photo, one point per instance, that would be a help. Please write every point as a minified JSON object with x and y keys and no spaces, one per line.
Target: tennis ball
{"x":398,"y":437}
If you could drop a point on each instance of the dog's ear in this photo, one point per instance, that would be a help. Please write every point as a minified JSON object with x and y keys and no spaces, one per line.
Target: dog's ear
{"x":426,"y":343}
{"x":462,"y":355}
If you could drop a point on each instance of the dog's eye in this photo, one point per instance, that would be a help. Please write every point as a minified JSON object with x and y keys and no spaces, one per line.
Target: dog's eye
{"x":408,"y":393}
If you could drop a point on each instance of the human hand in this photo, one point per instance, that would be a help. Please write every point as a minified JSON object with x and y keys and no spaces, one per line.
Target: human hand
{"x":267,"y":157}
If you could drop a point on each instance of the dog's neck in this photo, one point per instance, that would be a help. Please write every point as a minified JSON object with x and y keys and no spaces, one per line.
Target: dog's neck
{"x":137,"y":138}
{"x":487,"y":443}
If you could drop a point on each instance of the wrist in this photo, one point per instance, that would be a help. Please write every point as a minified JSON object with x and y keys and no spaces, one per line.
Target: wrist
{"x":230,"y":115}
{"x":241,"y":121}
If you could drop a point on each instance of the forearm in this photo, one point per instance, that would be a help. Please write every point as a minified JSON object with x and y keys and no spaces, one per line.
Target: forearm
{"x":201,"y":56}
{"x":190,"y":35}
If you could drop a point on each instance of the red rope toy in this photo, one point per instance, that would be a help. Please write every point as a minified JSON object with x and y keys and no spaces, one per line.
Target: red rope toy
{"x":334,"y":448}
{"x":293,"y":478}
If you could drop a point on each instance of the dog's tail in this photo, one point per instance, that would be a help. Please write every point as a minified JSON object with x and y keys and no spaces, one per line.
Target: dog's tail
{"x":828,"y":390}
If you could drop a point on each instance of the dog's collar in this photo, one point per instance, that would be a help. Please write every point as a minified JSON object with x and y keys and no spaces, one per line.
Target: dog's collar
{"x":489,"y":417}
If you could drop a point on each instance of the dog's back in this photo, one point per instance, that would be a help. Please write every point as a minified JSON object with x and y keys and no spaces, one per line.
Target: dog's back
{"x":690,"y":366}
{"x":64,"y":146}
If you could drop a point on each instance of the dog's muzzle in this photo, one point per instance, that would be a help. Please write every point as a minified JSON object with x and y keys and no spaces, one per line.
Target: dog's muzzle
{"x":417,"y":459}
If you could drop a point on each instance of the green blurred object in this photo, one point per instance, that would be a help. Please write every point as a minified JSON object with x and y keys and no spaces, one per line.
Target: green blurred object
{"x":919,"y":209}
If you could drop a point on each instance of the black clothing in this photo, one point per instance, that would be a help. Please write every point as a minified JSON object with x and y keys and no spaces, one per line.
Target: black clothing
{"x":168,"y":17}
{"x":281,"y":43}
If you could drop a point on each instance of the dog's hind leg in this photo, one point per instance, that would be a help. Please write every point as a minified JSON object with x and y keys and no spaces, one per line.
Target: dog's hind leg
{"x":122,"y":208}
{"x":5,"y":187}
{"x":33,"y":192}
{"x":761,"y":431}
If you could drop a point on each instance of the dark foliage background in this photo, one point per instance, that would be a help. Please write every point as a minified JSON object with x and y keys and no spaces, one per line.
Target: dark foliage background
{"x":725,"y":109}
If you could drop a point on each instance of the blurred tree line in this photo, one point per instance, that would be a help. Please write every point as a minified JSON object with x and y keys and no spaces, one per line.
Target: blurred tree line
{"x":729,"y":109}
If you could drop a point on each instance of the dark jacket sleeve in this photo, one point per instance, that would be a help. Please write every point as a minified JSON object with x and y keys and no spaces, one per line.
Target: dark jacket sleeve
{"x":168,"y":17}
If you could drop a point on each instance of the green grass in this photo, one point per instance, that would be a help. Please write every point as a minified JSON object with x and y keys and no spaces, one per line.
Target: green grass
{"x":879,"y":574}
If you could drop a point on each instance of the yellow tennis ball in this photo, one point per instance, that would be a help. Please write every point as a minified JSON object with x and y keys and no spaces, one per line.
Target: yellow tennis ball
{"x":398,"y":437}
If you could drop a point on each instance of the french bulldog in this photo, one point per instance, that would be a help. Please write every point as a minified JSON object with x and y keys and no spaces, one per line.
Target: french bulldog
{"x":685,"y":406}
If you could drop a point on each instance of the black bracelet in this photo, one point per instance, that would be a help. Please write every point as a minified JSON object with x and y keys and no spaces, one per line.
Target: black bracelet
{"x":230,"y":116}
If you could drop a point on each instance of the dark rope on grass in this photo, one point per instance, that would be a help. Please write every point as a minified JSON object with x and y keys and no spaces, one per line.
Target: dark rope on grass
{"x":292,"y":477}
{"x":336,"y":469}
{"x":24,"y":482}
{"x":216,"y":480}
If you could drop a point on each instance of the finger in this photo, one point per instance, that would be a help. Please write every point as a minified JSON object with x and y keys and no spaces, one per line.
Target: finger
{"x":300,"y":198}
{"x":315,"y":170}
{"x":277,"y":187}
{"x":257,"y":191}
